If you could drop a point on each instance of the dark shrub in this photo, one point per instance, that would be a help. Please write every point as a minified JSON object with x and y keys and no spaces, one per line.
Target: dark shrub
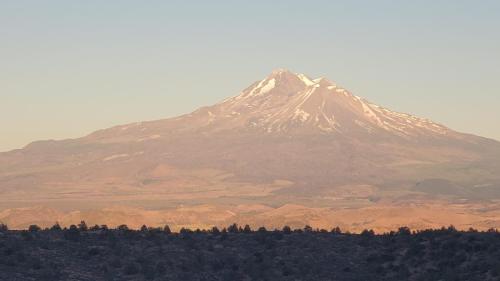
{"x":131,"y":269}
{"x":94,"y":251}
{"x":167,"y":230}
{"x":21,"y":257}
{"x":233,"y":228}
{"x":367,"y":233}
{"x":82,"y":226}
{"x":116,"y":263}
{"x":247,"y":229}
{"x":287,"y":229}
{"x":26,"y":235}
{"x":56,"y":227}
{"x":161,"y":268}
{"x":215,"y":230}
{"x":122,"y":227}
{"x":185,"y":231}
{"x":262,"y":229}
{"x":148,"y":271}
{"x":9,"y":251}
{"x":72,"y":234}
{"x":277,"y":235}
{"x":34,"y":228}
{"x":95,"y":228}
{"x":404,"y":231}
{"x":36,"y":264}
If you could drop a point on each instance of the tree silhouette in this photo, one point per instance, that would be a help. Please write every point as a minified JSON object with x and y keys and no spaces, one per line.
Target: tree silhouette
{"x":262,"y":230}
{"x":336,"y":230}
{"x":72,"y":234}
{"x":287,"y":230}
{"x":443,"y":254}
{"x":185,"y":231}
{"x":233,"y":228}
{"x":247,"y":229}
{"x":56,"y":227}
{"x":82,"y":226}
{"x":215,"y":230}
{"x":404,"y":231}
{"x":95,"y":228}
{"x":123,"y":227}
{"x":34,"y":228}
{"x":367,"y":233}
{"x":166,"y":229}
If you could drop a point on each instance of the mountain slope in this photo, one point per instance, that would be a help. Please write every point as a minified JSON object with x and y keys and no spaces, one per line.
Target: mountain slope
{"x":286,"y":103}
{"x":285,"y":139}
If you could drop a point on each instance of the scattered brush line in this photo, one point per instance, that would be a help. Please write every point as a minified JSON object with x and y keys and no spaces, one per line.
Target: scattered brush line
{"x":82,"y":227}
{"x":240,"y":253}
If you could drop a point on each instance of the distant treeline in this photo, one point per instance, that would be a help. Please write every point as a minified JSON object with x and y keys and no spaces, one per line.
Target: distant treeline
{"x":99,"y":253}
{"x":235,"y":228}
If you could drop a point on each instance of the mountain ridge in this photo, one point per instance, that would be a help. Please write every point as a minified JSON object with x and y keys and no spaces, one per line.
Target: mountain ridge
{"x":260,"y":88}
{"x":286,"y":139}
{"x":296,"y":96}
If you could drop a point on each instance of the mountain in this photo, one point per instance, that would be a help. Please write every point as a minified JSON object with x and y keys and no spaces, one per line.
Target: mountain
{"x":287,"y":139}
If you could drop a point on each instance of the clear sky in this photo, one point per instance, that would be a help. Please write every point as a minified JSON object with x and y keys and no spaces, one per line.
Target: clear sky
{"x":68,"y":68}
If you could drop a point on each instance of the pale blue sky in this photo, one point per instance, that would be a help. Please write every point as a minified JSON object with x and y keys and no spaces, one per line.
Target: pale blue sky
{"x":70,"y":67}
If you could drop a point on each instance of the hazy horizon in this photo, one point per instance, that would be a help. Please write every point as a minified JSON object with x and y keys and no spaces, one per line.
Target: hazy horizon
{"x":69,"y":69}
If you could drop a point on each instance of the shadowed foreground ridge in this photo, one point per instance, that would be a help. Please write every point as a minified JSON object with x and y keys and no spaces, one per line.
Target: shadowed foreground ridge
{"x":235,"y":253}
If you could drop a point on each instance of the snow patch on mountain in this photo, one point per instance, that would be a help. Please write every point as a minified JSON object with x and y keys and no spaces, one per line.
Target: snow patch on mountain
{"x":116,"y":156}
{"x":268,"y":87}
{"x":286,"y":101}
{"x":301,"y":115}
{"x":306,"y":80}
{"x":152,"y":137}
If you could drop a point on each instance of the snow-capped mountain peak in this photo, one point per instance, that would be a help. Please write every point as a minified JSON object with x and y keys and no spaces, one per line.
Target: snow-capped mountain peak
{"x":287,"y":102}
{"x":285,"y":138}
